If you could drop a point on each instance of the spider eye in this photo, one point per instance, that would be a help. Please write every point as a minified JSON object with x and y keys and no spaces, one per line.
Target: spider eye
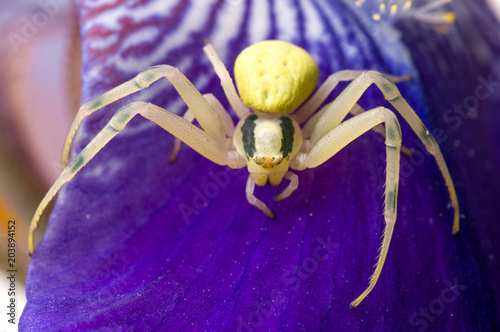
{"x":268,"y":162}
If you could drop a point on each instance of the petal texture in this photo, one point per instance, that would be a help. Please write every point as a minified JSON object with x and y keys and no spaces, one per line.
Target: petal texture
{"x":122,"y":253}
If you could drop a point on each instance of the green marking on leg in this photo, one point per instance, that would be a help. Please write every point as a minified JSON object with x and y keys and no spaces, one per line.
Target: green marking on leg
{"x":146,"y":77}
{"x":149,"y":74}
{"x":76,"y":163}
{"x":391,"y":135}
{"x":384,"y":76}
{"x":387,"y":87}
{"x":153,"y":67}
{"x":95,"y":104}
{"x":399,"y":128}
{"x":393,"y":100}
{"x":391,"y":199}
{"x":123,"y":115}
{"x":113,"y":129}
{"x":149,"y":77}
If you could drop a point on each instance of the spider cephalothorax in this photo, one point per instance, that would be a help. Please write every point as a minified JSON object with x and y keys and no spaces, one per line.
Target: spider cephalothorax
{"x":268,"y":142}
{"x":274,"y":78}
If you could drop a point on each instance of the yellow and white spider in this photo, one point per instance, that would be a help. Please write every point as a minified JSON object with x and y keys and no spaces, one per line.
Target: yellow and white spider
{"x":274,"y":78}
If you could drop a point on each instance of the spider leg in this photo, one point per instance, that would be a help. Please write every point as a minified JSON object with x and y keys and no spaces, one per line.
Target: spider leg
{"x":225,"y":119}
{"x":355,"y":110}
{"x":312,"y":121}
{"x":339,"y":108}
{"x":343,"y":134}
{"x":196,"y":138}
{"x":235,"y":101}
{"x":201,"y":109}
{"x":188,"y":116}
{"x":312,"y":104}
{"x":294,"y":183}
{"x":254,"y":200}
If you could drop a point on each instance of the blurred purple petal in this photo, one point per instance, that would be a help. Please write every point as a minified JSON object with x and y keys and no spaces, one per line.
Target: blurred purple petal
{"x":122,"y":253}
{"x":468,"y":97}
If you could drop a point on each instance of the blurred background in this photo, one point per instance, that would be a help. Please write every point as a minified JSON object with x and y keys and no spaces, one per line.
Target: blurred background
{"x":39,"y":96}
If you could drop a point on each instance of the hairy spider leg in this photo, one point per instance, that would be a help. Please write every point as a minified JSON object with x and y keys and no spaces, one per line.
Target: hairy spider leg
{"x":193,"y":136}
{"x":201,"y":109}
{"x":339,"y":108}
{"x":357,"y":110}
{"x":343,"y":134}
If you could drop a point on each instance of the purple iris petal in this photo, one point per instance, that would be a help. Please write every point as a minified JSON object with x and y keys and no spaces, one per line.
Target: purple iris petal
{"x":468,"y":97}
{"x":136,"y":243}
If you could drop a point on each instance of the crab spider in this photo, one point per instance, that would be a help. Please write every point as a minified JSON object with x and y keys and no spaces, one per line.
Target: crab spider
{"x":274,"y":78}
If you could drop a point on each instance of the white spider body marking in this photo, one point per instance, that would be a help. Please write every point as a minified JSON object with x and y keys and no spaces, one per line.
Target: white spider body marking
{"x":274,"y":78}
{"x":268,"y":142}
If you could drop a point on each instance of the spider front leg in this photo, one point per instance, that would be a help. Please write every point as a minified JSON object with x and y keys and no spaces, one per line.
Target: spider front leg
{"x":346,"y":132}
{"x":196,"y":138}
{"x":356,"y":110}
{"x":313,"y":103}
{"x":339,"y":108}
{"x":206,"y":116}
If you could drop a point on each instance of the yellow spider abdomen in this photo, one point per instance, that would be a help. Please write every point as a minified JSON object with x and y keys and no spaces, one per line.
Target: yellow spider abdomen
{"x":275,"y":76}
